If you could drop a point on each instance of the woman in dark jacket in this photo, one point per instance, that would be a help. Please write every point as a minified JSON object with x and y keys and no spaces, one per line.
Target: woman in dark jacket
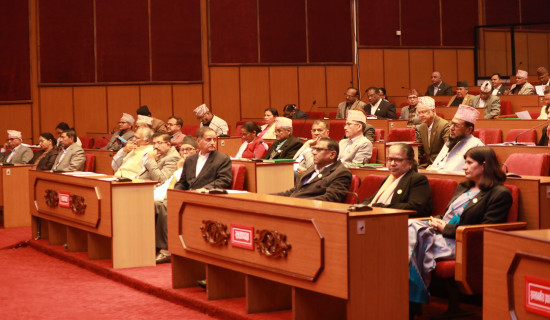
{"x":45,"y":158}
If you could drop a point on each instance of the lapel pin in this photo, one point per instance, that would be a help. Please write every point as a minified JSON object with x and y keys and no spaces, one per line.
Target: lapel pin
{"x":319,"y":176}
{"x":475,"y":200}
{"x":399,"y":191}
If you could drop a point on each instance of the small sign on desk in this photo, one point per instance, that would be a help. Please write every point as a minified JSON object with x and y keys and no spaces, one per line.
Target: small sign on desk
{"x":537,"y":296}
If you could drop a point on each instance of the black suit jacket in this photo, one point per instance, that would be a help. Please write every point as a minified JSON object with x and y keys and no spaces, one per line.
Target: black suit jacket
{"x":412,"y":193}
{"x":287,"y":150}
{"x":444,"y":90}
{"x":491,"y":206}
{"x":544,"y":138}
{"x":299,"y":114}
{"x":385,"y":110}
{"x":47,"y":162}
{"x":216,"y":173}
{"x":332,"y":184}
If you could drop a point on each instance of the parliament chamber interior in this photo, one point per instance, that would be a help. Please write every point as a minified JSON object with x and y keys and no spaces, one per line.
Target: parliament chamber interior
{"x":86,"y":242}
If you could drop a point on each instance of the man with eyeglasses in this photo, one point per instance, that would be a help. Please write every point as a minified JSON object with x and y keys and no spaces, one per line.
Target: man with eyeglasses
{"x":129,"y":161}
{"x":286,"y":145}
{"x":355,"y":148}
{"x":378,"y":107}
{"x":162,"y":160}
{"x":409,"y":112}
{"x":18,"y":153}
{"x":432,"y":133}
{"x":461,"y":139}
{"x":173,"y":127}
{"x":485,"y":100}
{"x":352,"y":102}
{"x":125,"y":133}
{"x":304,"y":156}
{"x":327,"y":180}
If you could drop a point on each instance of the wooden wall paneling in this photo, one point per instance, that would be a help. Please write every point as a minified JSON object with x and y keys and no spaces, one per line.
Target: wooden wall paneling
{"x":481,"y":53}
{"x":420,"y":23}
{"x":90,"y":110}
{"x":494,"y":13}
{"x":445,"y":62}
{"x":225,"y":94}
{"x":312,"y":86}
{"x":121,"y":99}
{"x":396,"y":71}
{"x":16,"y":117}
{"x":371,"y":15}
{"x":33,"y":36}
{"x":534,"y":11}
{"x":371,"y":68}
{"x":421,"y":67}
{"x":283,"y":86}
{"x":458,"y":22}
{"x":537,"y":51}
{"x":508,"y":54}
{"x":339,"y":78}
{"x":465,"y":65}
{"x":254,"y":91}
{"x":495,"y":53}
{"x":159,"y":100}
{"x":186,"y":98}
{"x":56,"y":105}
{"x":522,"y":55}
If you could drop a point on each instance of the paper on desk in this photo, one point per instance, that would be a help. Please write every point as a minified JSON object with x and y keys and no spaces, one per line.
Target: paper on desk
{"x":523,"y":115}
{"x":109,"y":179}
{"x":540,"y":89}
{"x":84,"y":174}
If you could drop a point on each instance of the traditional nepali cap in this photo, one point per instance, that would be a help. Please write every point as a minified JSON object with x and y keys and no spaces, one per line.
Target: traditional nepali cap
{"x":426,"y":101}
{"x":467,"y":113}
{"x":14,"y":134}
{"x":283,"y":122}
{"x":356,"y":115}
{"x":522,"y":74}
{"x":143,"y":110}
{"x":190,"y":141}
{"x":462,"y":84}
{"x":541,"y":71}
{"x":128,"y":118}
{"x":144,"y":120}
{"x":486,"y":87}
{"x":201,"y":110}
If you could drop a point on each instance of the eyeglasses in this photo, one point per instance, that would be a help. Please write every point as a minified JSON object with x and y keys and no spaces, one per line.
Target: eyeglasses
{"x":187,"y":149}
{"x":396,"y":160}
{"x":349,"y":96}
{"x":156,"y":143}
{"x":422,"y":112}
{"x":456,"y":125}
{"x":315,"y":149}
{"x":171,"y":124}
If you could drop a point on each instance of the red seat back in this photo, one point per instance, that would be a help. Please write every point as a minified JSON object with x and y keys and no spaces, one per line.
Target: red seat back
{"x":489,"y":136}
{"x":190,"y":129}
{"x":379,"y":134}
{"x":369,"y":186}
{"x":316,"y":115}
{"x":238,"y":171}
{"x":513,"y":213}
{"x":441,"y":103}
{"x":332,"y":115}
{"x":301,"y":128}
{"x":529,"y":136}
{"x":536,"y":164}
{"x":353,"y":187}
{"x":90,"y":162}
{"x":336,"y":129}
{"x":374,"y":155}
{"x":401,"y":134}
{"x":100,"y":143}
{"x":87,"y":142}
{"x":442,"y":193}
{"x":505,"y":107}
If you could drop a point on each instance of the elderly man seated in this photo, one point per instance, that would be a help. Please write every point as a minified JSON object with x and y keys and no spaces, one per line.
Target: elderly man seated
{"x":522,"y":87}
{"x":355,"y":148}
{"x":161,"y":161}
{"x":304,"y":156}
{"x":432,"y":133}
{"x":404,"y":188}
{"x":129,"y":162}
{"x":71,"y":157}
{"x":286,"y":145}
{"x":327,"y":180}
{"x":156,"y":124}
{"x":409,"y":112}
{"x":461,"y":96}
{"x":461,"y":139}
{"x":207,"y":119}
{"x":18,"y":153}
{"x":125,"y":133}
{"x":487,"y":101}
{"x":352,"y":102}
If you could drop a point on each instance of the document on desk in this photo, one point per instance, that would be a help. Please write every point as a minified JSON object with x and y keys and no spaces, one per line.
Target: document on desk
{"x":540,"y":90}
{"x":84,"y":174}
{"x":524,"y":115}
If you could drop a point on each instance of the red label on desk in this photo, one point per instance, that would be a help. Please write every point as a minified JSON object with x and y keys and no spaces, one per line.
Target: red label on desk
{"x":64,"y":198}
{"x":537,"y":296}
{"x":242,"y":236}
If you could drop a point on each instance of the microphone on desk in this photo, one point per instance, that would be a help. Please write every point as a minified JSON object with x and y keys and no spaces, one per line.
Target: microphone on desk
{"x":304,"y":122}
{"x":516,"y":143}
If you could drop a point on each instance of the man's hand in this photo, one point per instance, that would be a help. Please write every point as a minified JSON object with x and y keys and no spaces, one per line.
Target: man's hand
{"x":152,"y":156}
{"x":129,"y":147}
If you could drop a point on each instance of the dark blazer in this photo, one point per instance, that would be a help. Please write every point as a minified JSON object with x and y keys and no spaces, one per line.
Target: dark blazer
{"x":287,"y":150}
{"x":444,"y":90}
{"x":501,"y":90}
{"x":47,"y":162}
{"x":332,"y":184}
{"x":492,"y":206}
{"x":299,"y":114}
{"x":544,"y":138}
{"x":385,"y":110}
{"x":428,"y":151}
{"x":216,"y":173}
{"x":412,"y":193}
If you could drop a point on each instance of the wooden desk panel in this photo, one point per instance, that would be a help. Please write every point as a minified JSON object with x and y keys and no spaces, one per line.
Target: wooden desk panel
{"x":103,"y":159}
{"x":229,"y":146}
{"x":14,"y":196}
{"x":512,"y":256}
{"x":267,"y":177}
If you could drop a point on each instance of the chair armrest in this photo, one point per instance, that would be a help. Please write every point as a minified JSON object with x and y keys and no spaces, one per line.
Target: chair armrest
{"x":469,"y":254}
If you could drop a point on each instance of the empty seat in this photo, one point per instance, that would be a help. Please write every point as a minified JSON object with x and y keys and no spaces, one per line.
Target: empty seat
{"x":190,"y":129}
{"x":522,"y":136}
{"x":87,"y":142}
{"x":489,"y":136}
{"x":536,"y":164}
{"x":238,"y":171}
{"x":100,"y":142}
{"x":401,"y":134}
{"x":353,"y":187}
{"x":315,"y":115}
{"x":379,"y":134}
{"x":90,"y":162}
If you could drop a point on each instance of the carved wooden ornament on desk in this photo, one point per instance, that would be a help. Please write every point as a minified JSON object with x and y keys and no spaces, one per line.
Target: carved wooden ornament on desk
{"x":52,"y":200}
{"x":215,"y":233}
{"x":272,"y":243}
{"x":78,"y":204}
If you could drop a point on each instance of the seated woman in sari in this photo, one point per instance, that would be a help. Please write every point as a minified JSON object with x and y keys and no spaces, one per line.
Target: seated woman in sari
{"x":404,"y":188}
{"x":44,"y":159}
{"x":268,"y":129}
{"x":481,"y":199}
{"x":253,"y":146}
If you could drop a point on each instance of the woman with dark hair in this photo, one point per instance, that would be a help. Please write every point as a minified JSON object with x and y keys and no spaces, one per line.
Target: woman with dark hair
{"x":268,"y":129}
{"x":404,"y":188}
{"x":44,"y":159}
{"x":481,"y":198}
{"x":253,"y":146}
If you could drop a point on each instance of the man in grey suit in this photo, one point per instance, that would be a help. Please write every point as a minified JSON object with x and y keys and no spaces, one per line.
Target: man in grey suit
{"x":432,"y":133}
{"x":162,"y":161}
{"x":485,"y":100}
{"x":125,"y":133}
{"x":355,"y":148}
{"x":71,"y":157}
{"x":438,"y":87}
{"x":19,"y":153}
{"x":352,"y":102}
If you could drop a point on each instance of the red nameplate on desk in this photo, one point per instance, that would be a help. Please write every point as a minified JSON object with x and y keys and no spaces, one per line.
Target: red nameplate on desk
{"x":242,"y":236}
{"x":64,"y":199}
{"x":537,"y":296}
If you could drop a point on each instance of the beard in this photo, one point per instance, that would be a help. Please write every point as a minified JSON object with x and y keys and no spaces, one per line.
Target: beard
{"x":451,"y":143}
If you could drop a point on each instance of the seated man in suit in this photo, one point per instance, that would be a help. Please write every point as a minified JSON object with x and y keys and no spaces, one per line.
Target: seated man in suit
{"x":173,"y":127}
{"x":19,"y":153}
{"x":327,"y":180}
{"x":378,"y":107}
{"x":286,"y":145}
{"x":125,"y":133}
{"x":487,"y":101}
{"x":461,"y":96}
{"x":432,"y":133}
{"x":207,"y":119}
{"x":129,"y":162}
{"x":461,"y":139}
{"x":522,"y":87}
{"x":438,"y":87}
{"x":157,"y":124}
{"x":409,"y":112}
{"x":71,"y":157}
{"x":544,"y":78}
{"x":355,"y":148}
{"x":292,"y":111}
{"x":498,"y":88}
{"x":161,"y":161}
{"x":304,"y":156}
{"x":352,"y":102}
